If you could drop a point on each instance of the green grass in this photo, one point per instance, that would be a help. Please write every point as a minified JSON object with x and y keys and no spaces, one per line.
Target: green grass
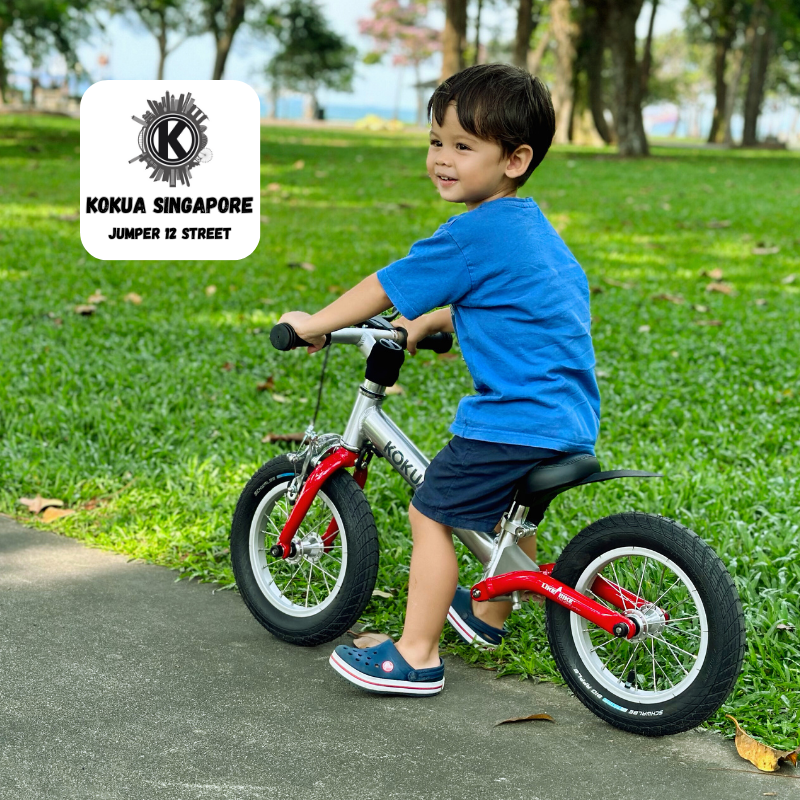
{"x":154,"y":408}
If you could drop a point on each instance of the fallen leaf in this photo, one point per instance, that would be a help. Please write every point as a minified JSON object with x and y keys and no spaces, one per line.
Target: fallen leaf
{"x":719,"y":223}
{"x":278,"y":398}
{"x":38,"y":503}
{"x":700,"y":309}
{"x":764,"y":757}
{"x":264,"y":220}
{"x":722,"y":288}
{"x":307,"y":266}
{"x":211,"y":290}
{"x":396,"y":389}
{"x":783,"y":627}
{"x":602,"y":374}
{"x":282,"y":437}
{"x":643,"y":329}
{"x":714,"y":274}
{"x":299,"y":164}
{"x":371,"y":640}
{"x":670,"y":298}
{"x":381,"y":593}
{"x":134,"y":298}
{"x":55,"y":513}
{"x":68,"y":217}
{"x":266,"y":386}
{"x":619,"y":284}
{"x":597,"y":290}
{"x":446,"y":356}
{"x":711,"y":323}
{"x":273,"y":187}
{"x":763,"y":250}
{"x":97,"y":297}
{"x":530,"y":718}
{"x":85,"y":310}
{"x":322,"y":174}
{"x":335,"y":288}
{"x":227,"y":366}
{"x":789,"y":279}
{"x":761,"y":301}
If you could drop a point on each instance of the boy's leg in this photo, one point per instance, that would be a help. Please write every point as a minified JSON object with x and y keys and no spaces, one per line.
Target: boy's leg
{"x":496,"y":613}
{"x":432,"y":581}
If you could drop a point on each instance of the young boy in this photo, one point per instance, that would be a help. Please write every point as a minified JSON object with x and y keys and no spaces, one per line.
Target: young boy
{"x":519,"y":304}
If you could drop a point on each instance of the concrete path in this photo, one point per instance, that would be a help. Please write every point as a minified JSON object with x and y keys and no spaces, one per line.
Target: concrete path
{"x":116,"y":681}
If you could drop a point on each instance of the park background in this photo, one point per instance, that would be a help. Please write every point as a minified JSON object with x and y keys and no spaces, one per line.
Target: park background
{"x":142,"y":395}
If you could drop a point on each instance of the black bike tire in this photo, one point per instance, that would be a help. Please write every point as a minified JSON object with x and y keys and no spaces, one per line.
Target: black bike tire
{"x":721,"y":602}
{"x":361,"y":569}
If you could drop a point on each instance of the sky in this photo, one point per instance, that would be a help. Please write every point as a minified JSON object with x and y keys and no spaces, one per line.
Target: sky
{"x":133,"y":54}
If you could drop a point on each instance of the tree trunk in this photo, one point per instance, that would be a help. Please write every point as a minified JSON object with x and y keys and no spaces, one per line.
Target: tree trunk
{"x":476,"y":55}
{"x":760,"y":54}
{"x":647,"y":56}
{"x":732,"y":92}
{"x":162,"y":46}
{"x":564,"y":32}
{"x":522,"y":40}
{"x":535,"y":56}
{"x":454,"y":37}
{"x":627,"y":81}
{"x":722,"y":46}
{"x":3,"y":71}
{"x":593,"y":27}
{"x":233,"y":19}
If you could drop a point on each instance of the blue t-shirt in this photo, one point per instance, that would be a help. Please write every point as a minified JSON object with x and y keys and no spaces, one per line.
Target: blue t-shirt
{"x":520,"y":306}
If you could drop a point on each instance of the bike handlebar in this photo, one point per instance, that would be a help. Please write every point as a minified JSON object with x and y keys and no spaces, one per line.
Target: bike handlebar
{"x":283,"y":337}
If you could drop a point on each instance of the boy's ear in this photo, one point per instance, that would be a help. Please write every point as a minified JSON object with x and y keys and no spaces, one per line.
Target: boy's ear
{"x":519,"y":161}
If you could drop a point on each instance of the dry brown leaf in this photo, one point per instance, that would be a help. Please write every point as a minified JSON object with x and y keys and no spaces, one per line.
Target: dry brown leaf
{"x":68,"y":217}
{"x":381,"y":593}
{"x":39,"y":503}
{"x":282,"y":437}
{"x":722,"y":288}
{"x":763,"y":250}
{"x":530,"y":718}
{"x":299,"y":164}
{"x":85,"y":310}
{"x":396,"y":389}
{"x":273,"y":187}
{"x":714,"y":274}
{"x":211,"y":290}
{"x":266,"y":386}
{"x":97,"y":298}
{"x":766,"y":758}
{"x":719,"y":223}
{"x":446,"y":356}
{"x":711,"y":323}
{"x":618,"y":284}
{"x":371,"y":640}
{"x":55,"y":513}
{"x":134,"y":298}
{"x":670,"y":298}
{"x":227,"y":366}
{"x":789,"y":279}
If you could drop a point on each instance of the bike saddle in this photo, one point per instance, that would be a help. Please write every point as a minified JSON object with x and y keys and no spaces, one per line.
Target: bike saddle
{"x":553,"y":475}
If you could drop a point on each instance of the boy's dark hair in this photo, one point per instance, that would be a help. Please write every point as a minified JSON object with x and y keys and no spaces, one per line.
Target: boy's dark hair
{"x":500,"y":103}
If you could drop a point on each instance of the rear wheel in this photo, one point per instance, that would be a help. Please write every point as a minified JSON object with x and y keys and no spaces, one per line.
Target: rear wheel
{"x":681,"y":666}
{"x":316,"y":595}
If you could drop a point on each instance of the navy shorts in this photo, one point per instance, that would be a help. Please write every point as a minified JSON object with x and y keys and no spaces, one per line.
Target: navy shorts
{"x":470,"y":483}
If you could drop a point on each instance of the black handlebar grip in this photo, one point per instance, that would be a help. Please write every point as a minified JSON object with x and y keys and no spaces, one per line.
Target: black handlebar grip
{"x":283,"y":337}
{"x":438,"y":342}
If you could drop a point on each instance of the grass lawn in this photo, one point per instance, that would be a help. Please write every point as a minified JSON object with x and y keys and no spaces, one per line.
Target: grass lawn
{"x":147,"y":418}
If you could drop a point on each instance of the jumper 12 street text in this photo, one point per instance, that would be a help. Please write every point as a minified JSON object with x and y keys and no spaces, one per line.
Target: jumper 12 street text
{"x":170,"y":233}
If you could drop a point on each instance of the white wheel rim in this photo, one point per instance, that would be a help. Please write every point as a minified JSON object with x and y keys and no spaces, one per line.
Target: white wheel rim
{"x":270,"y":573}
{"x":664,"y":655}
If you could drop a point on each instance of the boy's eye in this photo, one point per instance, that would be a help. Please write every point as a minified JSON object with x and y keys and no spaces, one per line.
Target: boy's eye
{"x":434,"y":142}
{"x":460,"y":144}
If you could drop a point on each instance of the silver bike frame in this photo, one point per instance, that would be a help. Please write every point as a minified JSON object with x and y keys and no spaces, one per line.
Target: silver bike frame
{"x":369,"y":423}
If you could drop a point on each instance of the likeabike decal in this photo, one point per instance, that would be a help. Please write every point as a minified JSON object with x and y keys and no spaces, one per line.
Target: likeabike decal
{"x":402,"y":463}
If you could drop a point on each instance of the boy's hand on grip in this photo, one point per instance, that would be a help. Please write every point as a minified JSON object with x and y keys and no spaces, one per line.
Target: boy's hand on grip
{"x":417,"y":329}
{"x":299,"y":321}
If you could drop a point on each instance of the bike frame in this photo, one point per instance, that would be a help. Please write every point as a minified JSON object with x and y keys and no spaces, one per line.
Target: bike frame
{"x":507,"y":569}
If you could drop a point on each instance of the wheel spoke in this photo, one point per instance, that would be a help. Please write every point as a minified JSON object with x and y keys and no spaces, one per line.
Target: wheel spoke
{"x":641,"y":580}
{"x":675,"y":647}
{"x":656,"y":601}
{"x":619,"y":586}
{"x":653,"y":654}
{"x":325,"y":572}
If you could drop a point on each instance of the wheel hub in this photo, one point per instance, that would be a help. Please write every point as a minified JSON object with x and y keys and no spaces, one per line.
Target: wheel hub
{"x":311,"y":547}
{"x":651,"y":620}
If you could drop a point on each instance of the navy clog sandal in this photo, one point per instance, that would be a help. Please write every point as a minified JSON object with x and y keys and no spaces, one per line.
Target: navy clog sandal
{"x":382,"y":669}
{"x":471,"y":629}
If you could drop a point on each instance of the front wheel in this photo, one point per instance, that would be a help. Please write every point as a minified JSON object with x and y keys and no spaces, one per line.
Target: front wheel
{"x":681,"y":666}
{"x":314,"y":596}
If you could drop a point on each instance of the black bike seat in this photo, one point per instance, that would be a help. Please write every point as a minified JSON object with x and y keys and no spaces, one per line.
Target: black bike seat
{"x":553,"y":473}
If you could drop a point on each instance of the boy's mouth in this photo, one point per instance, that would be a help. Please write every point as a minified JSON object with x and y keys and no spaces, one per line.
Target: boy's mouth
{"x":446,"y":181}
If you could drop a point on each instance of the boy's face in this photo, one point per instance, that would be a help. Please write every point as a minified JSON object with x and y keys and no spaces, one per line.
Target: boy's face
{"x":469,"y":170}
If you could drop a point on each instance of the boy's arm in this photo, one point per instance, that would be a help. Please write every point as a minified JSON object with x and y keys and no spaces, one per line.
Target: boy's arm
{"x":419,"y":328}
{"x":364,"y":300}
